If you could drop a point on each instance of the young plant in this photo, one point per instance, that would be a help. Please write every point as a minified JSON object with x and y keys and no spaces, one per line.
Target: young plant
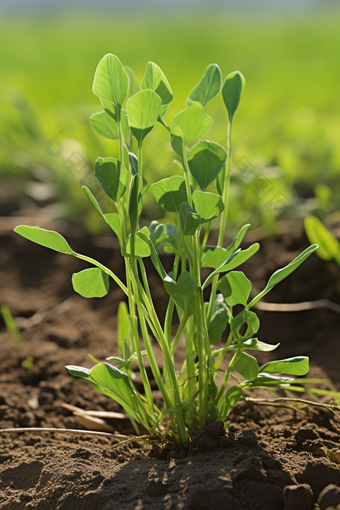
{"x":329,"y":246}
{"x":191,"y":397}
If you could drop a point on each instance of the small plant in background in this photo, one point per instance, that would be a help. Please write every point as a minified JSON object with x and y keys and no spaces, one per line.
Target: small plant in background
{"x":329,"y":246}
{"x":10,"y":324}
{"x":191,"y":396}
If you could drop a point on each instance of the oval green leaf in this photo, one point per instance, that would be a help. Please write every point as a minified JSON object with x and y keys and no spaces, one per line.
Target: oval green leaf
{"x":170,"y":193}
{"x":208,"y":205}
{"x":247,"y":366}
{"x":189,"y":220}
{"x":91,"y":283}
{"x":193,"y":122}
{"x":112,"y":176}
{"x":206,"y":160}
{"x":231,"y":91}
{"x":208,"y":87}
{"x":290,"y":366}
{"x":104,"y":125}
{"x":155,"y":79}
{"x":143,"y":109}
{"x":46,"y":238}
{"x":111,"y":81}
{"x":219,"y":320}
{"x":235,"y":288}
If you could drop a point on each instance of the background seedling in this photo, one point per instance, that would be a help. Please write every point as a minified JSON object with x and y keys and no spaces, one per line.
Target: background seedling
{"x":191,"y":397}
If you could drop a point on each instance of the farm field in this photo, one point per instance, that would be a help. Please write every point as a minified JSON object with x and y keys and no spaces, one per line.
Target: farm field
{"x":182,"y":354}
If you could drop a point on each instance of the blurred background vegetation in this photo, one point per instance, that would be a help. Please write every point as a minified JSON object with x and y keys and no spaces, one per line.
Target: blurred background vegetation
{"x":286,"y":132}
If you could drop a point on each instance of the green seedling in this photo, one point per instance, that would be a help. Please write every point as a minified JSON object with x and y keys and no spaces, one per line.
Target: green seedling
{"x":10,"y":324}
{"x":329,"y":246}
{"x":191,"y":396}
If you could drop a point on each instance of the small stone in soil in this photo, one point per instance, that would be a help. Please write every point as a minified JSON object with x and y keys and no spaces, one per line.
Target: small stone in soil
{"x":250,"y":468}
{"x":215,"y":429}
{"x":297,"y":497}
{"x":247,"y":437}
{"x":330,"y":496}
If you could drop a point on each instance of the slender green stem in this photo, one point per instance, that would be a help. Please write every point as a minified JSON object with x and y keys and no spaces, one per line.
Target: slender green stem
{"x":226,"y":375}
{"x":140,"y":159}
{"x":187,"y":177}
{"x":162,"y":121}
{"x":178,"y":334}
{"x":225,"y":198}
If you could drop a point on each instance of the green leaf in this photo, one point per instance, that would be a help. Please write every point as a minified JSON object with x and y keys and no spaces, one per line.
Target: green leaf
{"x":208,"y":205}
{"x":215,"y":256}
{"x":110,"y":381}
{"x":281,"y":274}
{"x":112,"y":176}
{"x":155,"y":79}
{"x":219,"y":320}
{"x":170,"y":193}
{"x":233,"y":396}
{"x":91,"y":283}
{"x":193,"y":122}
{"x":248,"y":318}
{"x":134,"y":163}
{"x":93,"y":201}
{"x":170,"y":239}
{"x":206,"y":160}
{"x":177,"y":140}
{"x":104,"y":125}
{"x":329,"y":246}
{"x":267,"y":381}
{"x":82,"y":372}
{"x":126,"y":131}
{"x":231,"y":92}
{"x":156,"y":232}
{"x":255,"y":345}
{"x":110,"y":108}
{"x":208,"y":87}
{"x":235,"y":288}
{"x":235,"y":260}
{"x":46,"y":238}
{"x":113,"y":220}
{"x":135,"y":201}
{"x":133,"y":83}
{"x":122,"y":326}
{"x":142,"y":248}
{"x":184,"y":291}
{"x":290,"y":366}
{"x":247,"y":366}
{"x":143,"y":109}
{"x":189,"y":220}
{"x":111,"y":81}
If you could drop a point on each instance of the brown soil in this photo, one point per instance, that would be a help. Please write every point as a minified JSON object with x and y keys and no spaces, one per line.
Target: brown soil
{"x":269,"y":458}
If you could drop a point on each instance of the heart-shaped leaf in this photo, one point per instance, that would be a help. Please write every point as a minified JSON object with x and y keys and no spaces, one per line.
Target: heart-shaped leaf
{"x":112,"y":176}
{"x":208,"y":205}
{"x":193,"y":122}
{"x":91,"y":283}
{"x":170,"y":193}
{"x":143,"y":109}
{"x":155,"y":79}
{"x":231,"y":91}
{"x":235,"y":288}
{"x":205,"y":161}
{"x":208,"y":87}
{"x":111,"y":81}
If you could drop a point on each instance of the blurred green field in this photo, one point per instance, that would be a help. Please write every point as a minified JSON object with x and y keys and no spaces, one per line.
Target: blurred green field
{"x":287,"y":126}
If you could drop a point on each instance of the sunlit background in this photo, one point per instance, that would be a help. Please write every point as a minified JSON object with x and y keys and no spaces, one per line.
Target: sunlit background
{"x":287,"y":128}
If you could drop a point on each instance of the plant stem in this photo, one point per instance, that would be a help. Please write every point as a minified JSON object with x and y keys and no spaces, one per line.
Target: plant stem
{"x":140,"y":159}
{"x":225,"y":198}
